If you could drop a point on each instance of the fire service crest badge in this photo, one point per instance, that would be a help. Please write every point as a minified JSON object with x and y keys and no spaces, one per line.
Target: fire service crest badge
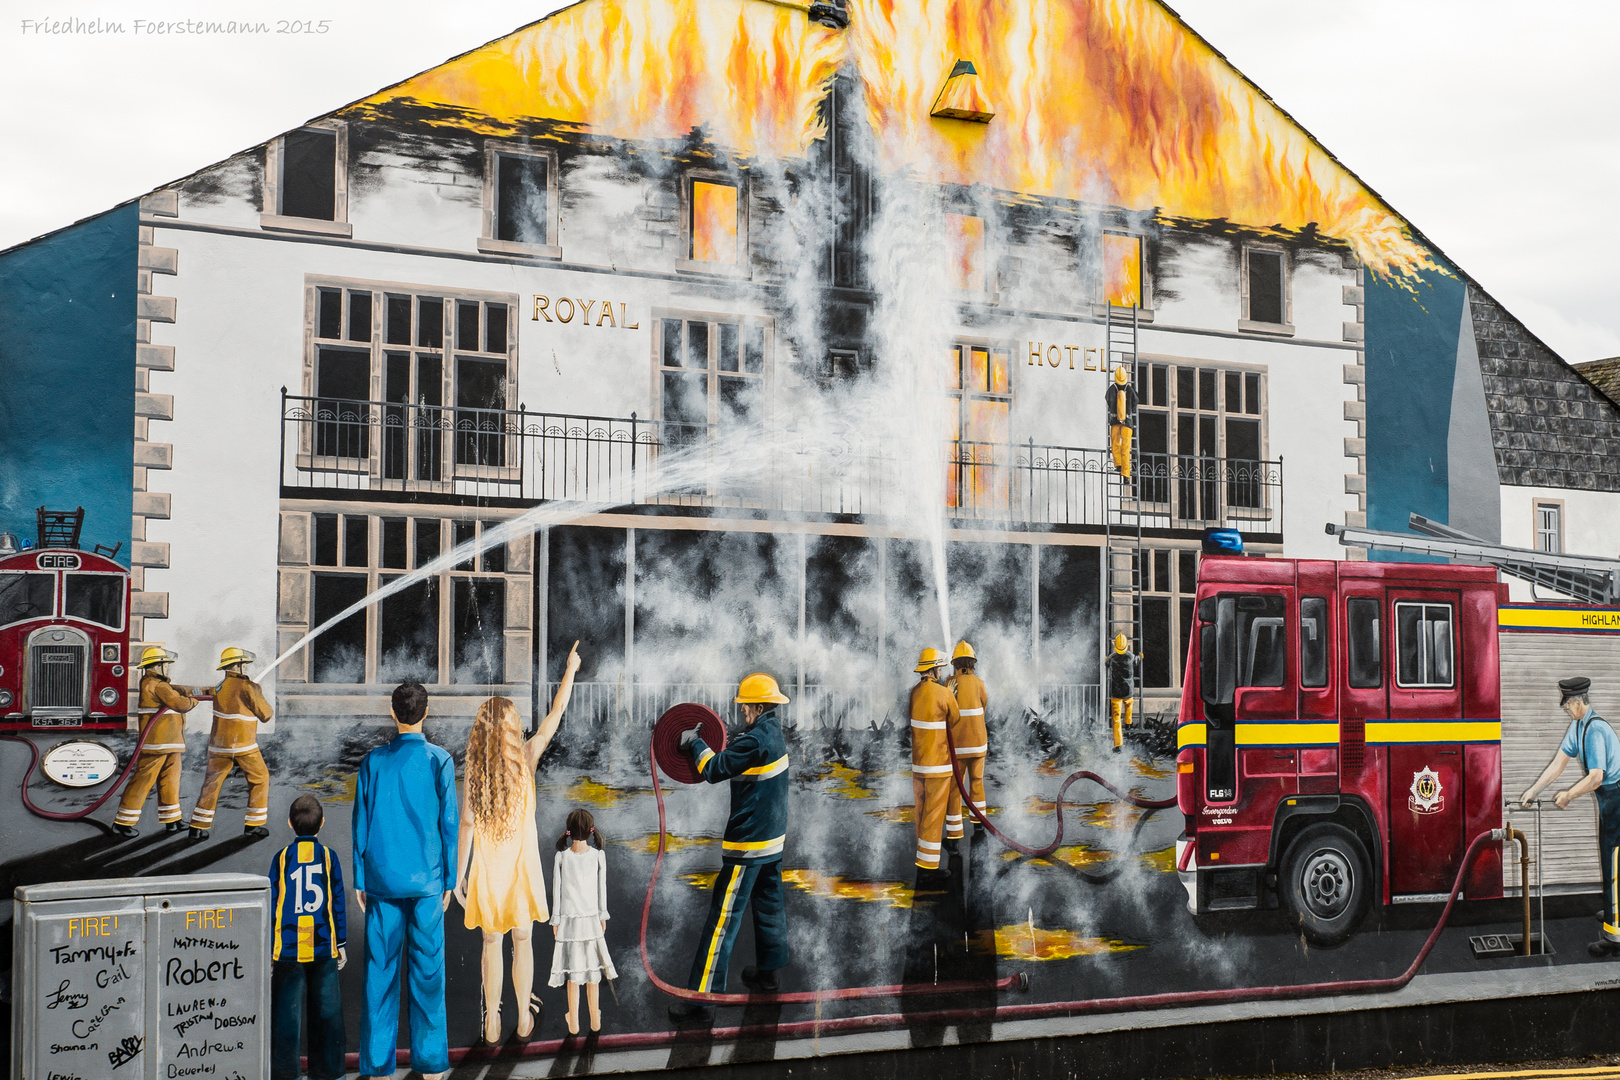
{"x":1427,"y":795}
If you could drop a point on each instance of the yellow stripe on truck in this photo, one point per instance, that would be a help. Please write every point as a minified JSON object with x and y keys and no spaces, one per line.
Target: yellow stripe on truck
{"x":1327,"y":733}
{"x":1433,"y":731}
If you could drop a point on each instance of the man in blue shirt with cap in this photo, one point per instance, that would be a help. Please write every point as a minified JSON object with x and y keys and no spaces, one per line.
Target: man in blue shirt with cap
{"x":1592,"y":742}
{"x":405,"y":823}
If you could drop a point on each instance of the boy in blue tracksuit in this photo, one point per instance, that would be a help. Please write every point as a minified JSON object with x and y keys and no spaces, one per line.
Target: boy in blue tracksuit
{"x":756,"y":764}
{"x":405,"y":822}
{"x":306,"y":902}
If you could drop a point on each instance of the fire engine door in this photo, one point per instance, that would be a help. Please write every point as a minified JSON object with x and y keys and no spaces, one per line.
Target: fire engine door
{"x":1425,"y":818}
{"x":1248,"y":674}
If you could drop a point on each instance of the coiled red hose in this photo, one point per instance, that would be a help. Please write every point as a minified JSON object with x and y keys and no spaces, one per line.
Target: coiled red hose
{"x":80,"y":815}
{"x":1041,"y":853}
{"x":1017,"y":980}
{"x":1033,"y":1011}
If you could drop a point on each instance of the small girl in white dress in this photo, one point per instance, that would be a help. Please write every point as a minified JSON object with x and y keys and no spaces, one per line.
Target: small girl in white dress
{"x":579,"y":917}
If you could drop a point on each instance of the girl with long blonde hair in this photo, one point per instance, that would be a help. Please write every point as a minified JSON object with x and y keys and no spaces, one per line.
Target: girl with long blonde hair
{"x":500,"y":881}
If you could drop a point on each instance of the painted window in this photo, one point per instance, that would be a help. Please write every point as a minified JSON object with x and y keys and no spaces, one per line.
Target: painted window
{"x":1267,"y":297}
{"x":410,"y":387}
{"x":1122,"y":269}
{"x":713,"y":227}
{"x":478,"y":630}
{"x":307,"y":177}
{"x":1365,"y":642}
{"x":711,"y":376}
{"x":522,"y":193}
{"x":1423,"y":645}
{"x":965,"y":245}
{"x":1262,"y":640}
{"x":1313,"y":639}
{"x":978,"y":424}
{"x":94,"y":598}
{"x":338,"y":655}
{"x":1550,"y":527}
{"x":1169,"y":579}
{"x":1202,"y":438}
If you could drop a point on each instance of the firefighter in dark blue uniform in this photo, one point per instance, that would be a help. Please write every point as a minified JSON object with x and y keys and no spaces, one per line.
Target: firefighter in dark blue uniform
{"x":1592,"y":742}
{"x":756,"y":764}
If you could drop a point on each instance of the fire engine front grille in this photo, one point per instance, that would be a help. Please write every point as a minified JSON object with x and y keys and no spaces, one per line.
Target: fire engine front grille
{"x":56,"y":676}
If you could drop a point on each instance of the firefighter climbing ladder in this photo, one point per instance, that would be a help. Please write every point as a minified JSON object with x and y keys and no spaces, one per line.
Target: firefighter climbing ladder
{"x":1122,"y":519}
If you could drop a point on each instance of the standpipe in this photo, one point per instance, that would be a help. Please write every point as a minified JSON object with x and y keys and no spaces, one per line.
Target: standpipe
{"x":80,"y":815}
{"x":1510,"y":833}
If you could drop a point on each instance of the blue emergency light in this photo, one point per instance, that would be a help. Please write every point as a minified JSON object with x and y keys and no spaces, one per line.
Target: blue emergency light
{"x":1223,"y":542}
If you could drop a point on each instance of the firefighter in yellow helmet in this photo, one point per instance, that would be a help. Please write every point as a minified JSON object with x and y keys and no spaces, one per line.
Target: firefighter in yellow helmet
{"x":1123,"y":669}
{"x":239,"y":708}
{"x":1121,"y":399}
{"x":969,"y":738}
{"x":933,"y":713}
{"x":160,"y":757}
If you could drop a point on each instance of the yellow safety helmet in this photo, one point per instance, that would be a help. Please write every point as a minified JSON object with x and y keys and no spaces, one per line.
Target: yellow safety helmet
{"x":929,"y":659}
{"x":233,"y":656}
{"x":154,"y":655}
{"x":760,"y":689}
{"x":1121,"y":376}
{"x":963,"y":651}
{"x":1120,"y":643}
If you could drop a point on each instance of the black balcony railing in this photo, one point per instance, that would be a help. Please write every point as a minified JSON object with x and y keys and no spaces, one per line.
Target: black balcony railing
{"x":331,"y":447}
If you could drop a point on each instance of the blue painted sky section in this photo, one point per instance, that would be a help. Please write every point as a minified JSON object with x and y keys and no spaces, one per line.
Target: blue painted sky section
{"x":1411,"y":365}
{"x":67,"y":378}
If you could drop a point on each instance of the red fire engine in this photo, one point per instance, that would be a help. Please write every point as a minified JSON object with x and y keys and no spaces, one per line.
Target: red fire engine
{"x":64,"y":632}
{"x":1339,"y":737}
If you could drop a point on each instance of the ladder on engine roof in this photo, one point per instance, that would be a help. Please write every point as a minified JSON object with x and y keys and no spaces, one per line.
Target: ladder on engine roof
{"x":1588,"y":578}
{"x":1122,"y":517}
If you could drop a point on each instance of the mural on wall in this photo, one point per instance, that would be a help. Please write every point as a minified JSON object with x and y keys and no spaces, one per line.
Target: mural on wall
{"x":696,"y":463}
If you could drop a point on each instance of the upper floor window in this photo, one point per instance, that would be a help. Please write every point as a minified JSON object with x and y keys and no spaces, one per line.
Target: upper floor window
{"x":1202,"y":431}
{"x":1549,"y":526}
{"x":714,"y":223}
{"x":1122,"y":270}
{"x":306,"y":180}
{"x":978,"y":424}
{"x":1169,"y":578}
{"x":965,"y":247}
{"x":520,"y":201}
{"x":711,"y":374}
{"x":1267,"y":292}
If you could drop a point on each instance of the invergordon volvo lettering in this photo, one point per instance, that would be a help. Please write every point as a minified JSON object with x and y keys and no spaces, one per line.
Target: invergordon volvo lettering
{"x":1339,"y":738}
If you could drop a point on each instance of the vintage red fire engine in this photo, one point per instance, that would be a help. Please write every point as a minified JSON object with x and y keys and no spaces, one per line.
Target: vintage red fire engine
{"x":64,"y":639}
{"x":1340,"y":738}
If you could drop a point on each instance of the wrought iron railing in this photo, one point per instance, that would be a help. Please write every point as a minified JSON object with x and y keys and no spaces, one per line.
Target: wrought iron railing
{"x":333,"y":446}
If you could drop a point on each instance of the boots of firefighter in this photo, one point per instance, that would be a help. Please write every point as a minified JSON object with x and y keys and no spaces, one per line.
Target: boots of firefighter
{"x":174,"y":827}
{"x":765,"y":982}
{"x":690,"y":1012}
{"x":1603,"y":949}
{"x":258,"y":832}
{"x":198,"y":834}
{"x":125,"y":830}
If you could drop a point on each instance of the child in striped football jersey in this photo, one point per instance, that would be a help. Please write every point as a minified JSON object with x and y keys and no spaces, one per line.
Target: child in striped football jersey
{"x":307,"y":950}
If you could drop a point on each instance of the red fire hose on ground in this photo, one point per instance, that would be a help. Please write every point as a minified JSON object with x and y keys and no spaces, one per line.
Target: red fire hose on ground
{"x":80,"y":815}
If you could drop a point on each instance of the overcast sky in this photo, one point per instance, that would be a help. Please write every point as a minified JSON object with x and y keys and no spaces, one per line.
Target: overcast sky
{"x":1490,"y":125}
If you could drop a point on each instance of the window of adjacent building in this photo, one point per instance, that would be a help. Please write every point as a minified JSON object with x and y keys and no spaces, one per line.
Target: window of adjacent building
{"x":1549,"y":526}
{"x":965,"y":247}
{"x":1169,"y":579}
{"x":1313,"y":642}
{"x":1423,"y":645}
{"x":1202,"y":438}
{"x":443,"y":366}
{"x":1266,"y":295}
{"x":1122,"y":270}
{"x":711,"y":376}
{"x":713,"y":222}
{"x":306,"y":180}
{"x":1365,"y":643}
{"x":978,"y":424}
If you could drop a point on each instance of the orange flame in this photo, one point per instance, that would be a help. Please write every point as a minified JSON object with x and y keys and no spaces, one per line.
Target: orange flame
{"x":1109,"y":102}
{"x":1017,"y":942}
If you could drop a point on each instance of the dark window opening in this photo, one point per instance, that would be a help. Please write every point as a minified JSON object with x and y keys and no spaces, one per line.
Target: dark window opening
{"x":95,"y":598}
{"x":427,"y":541}
{"x":494,"y":558}
{"x":521,"y":211}
{"x":338,"y":655}
{"x":309,"y":174}
{"x":408,"y":645}
{"x":25,"y":596}
{"x":394,"y":546}
{"x":480,"y":401}
{"x":329,"y":316}
{"x":1155,"y":641}
{"x":342,"y":383}
{"x":1262,"y":641}
{"x":359,"y":316}
{"x":1265,"y":286}
{"x":356,"y":549}
{"x":495,"y":328}
{"x":399,"y":320}
{"x":467,"y":325}
{"x":1366,"y":644}
{"x":479,"y":631}
{"x":326,"y":540}
{"x":430,"y":322}
{"x":462,"y":532}
{"x":1313,"y":642}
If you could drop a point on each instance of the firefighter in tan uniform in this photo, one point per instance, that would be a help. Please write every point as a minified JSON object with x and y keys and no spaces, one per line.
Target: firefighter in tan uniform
{"x":239,"y":706}
{"x":160,"y":757}
{"x":968,"y":737}
{"x":933,"y":712}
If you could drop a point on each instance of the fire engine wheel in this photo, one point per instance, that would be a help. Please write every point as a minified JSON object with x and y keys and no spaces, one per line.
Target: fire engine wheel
{"x":1324,"y":884}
